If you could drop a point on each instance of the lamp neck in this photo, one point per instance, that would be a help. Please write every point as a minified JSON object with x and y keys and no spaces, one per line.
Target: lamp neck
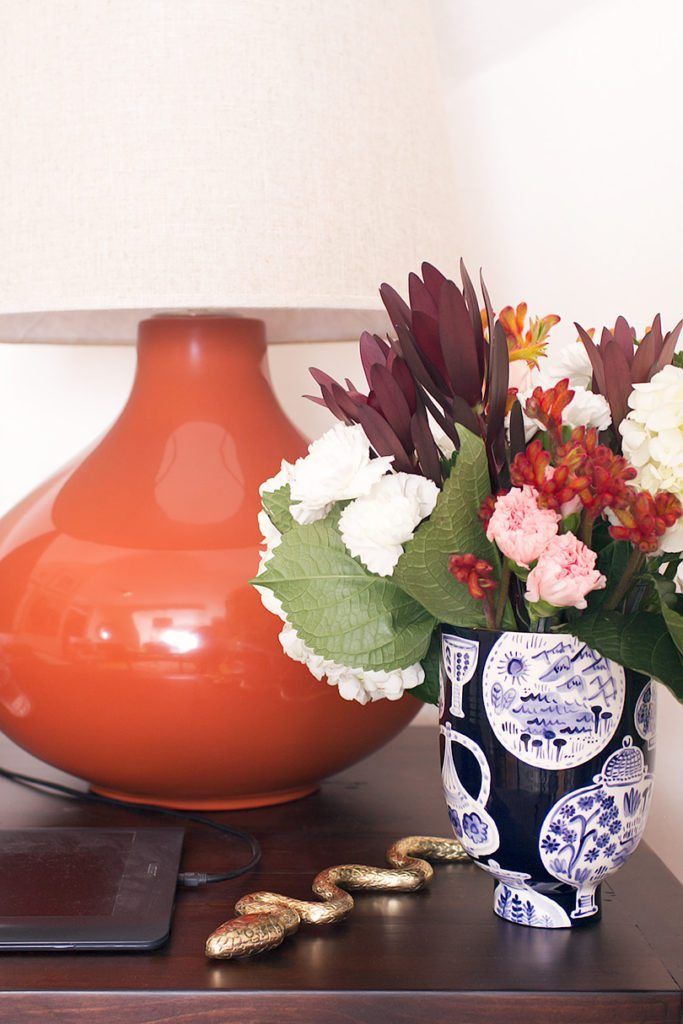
{"x":188,"y":361}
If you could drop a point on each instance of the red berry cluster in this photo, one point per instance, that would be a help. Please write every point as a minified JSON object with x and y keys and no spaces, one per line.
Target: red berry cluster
{"x":475,"y":572}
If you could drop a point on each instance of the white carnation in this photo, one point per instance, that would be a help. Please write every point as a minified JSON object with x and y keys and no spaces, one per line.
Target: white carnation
{"x":338,"y":467}
{"x":353,"y":683}
{"x":587,"y":409}
{"x":297,"y":650}
{"x":281,"y":478}
{"x":570,"y":361}
{"x":375,"y":527}
{"x":271,"y":538}
{"x":357,"y":684}
{"x":652,"y":435}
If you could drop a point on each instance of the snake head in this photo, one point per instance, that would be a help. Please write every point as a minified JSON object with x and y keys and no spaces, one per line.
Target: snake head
{"x":245,"y":936}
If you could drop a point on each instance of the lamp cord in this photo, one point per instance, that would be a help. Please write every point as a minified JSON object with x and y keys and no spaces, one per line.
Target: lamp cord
{"x":187,"y":879}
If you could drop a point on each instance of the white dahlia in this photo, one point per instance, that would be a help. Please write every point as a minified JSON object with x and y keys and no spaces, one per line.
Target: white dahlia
{"x":652,"y":435}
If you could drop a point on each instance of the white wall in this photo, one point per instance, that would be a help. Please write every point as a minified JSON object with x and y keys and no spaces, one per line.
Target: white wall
{"x":568,"y":163}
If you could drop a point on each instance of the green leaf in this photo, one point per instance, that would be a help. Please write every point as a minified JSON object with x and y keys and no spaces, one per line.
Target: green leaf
{"x":428,"y":692}
{"x":671,"y":605}
{"x":342,"y":611}
{"x":422,"y":570}
{"x":276,"y":505}
{"x":612,"y":561}
{"x":641,"y":642}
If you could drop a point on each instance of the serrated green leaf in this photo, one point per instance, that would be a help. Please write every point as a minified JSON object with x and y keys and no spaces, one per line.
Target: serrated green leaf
{"x":428,"y":692}
{"x":422,"y":570}
{"x":342,"y":611}
{"x":276,"y":505}
{"x":641,"y":642}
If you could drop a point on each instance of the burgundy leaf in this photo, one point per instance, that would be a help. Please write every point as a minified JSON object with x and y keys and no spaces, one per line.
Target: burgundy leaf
{"x":425,"y":446}
{"x":645,"y":357}
{"x":392,"y":402}
{"x":623,"y":335}
{"x":420,"y":298}
{"x":458,"y":344}
{"x":383,"y":439}
{"x":327,"y":385}
{"x":488,"y":306}
{"x":617,"y":379}
{"x":656,"y":329}
{"x":348,"y":405}
{"x":411,"y":355}
{"x":320,"y":377}
{"x":372,"y":350}
{"x":668,"y":348}
{"x":499,"y":380}
{"x":398,"y":310}
{"x":595,"y":357}
{"x":433,"y":280}
{"x":490,"y":319}
{"x":517,"y":435}
{"x":401,"y":374}
{"x":463,"y":414}
{"x":475,"y":316}
{"x":426,"y":334}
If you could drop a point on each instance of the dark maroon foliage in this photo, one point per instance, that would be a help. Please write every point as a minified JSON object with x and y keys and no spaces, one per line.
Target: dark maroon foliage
{"x":619,"y":362}
{"x":441,"y":362}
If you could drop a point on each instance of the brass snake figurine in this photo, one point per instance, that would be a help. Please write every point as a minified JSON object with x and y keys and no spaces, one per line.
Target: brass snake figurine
{"x":266,"y":918}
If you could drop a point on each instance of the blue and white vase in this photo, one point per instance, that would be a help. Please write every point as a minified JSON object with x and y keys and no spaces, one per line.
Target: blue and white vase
{"x":547,"y":751}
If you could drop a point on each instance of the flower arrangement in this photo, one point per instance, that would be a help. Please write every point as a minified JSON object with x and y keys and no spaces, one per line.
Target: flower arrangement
{"x":455,"y":490}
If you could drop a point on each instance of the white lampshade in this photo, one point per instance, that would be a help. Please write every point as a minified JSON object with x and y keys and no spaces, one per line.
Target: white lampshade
{"x":275,"y":157}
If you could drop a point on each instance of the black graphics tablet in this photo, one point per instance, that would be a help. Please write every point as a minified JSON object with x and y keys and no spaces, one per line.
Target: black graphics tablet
{"x":87,"y":888}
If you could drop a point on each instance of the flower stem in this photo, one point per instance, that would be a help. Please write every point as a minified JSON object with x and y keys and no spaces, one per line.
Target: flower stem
{"x":503,"y":590}
{"x":489,"y":610}
{"x":587,"y":521}
{"x":633,"y":566}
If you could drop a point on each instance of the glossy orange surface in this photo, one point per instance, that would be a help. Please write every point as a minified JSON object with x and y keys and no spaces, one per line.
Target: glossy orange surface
{"x":133,"y":653}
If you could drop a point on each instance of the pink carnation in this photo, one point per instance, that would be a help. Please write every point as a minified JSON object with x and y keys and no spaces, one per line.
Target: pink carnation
{"x":564,"y":574}
{"x":519,"y":527}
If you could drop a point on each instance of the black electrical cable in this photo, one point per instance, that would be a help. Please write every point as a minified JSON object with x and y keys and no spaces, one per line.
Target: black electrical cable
{"x":188,"y":879}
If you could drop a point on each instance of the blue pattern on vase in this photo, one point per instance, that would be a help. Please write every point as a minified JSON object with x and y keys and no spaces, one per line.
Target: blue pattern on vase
{"x":472,"y":824}
{"x":544,"y":751}
{"x":551,"y":700}
{"x":645,"y":717}
{"x":589,"y":833}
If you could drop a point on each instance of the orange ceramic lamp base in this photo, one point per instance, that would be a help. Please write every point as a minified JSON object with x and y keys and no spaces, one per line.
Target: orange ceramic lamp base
{"x":133,"y":652}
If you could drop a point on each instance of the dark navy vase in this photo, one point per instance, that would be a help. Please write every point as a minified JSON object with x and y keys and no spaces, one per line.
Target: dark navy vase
{"x":547,"y":757}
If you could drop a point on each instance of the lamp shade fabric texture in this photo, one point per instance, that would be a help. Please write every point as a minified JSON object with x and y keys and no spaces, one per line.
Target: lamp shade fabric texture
{"x":279,"y":158}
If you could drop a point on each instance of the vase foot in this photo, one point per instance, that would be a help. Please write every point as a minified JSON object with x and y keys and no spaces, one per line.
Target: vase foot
{"x":527,"y":907}
{"x":217,"y":803}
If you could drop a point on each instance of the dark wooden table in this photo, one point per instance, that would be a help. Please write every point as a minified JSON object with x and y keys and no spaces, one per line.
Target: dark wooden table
{"x":436,"y":956}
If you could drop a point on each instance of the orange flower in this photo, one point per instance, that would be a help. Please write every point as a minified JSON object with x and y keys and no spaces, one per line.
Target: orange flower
{"x":547,"y":405}
{"x":529,"y":344}
{"x":643,"y":519}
